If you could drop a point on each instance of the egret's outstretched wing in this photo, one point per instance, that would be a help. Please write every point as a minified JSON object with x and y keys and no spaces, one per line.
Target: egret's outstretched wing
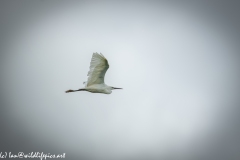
{"x":98,"y":68}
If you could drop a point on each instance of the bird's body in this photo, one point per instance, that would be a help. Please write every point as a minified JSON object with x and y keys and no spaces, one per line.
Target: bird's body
{"x":99,"y":88}
{"x":95,"y":84}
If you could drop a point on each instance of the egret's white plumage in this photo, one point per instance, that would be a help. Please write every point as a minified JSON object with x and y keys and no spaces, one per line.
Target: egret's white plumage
{"x":95,"y":83}
{"x":98,"y":68}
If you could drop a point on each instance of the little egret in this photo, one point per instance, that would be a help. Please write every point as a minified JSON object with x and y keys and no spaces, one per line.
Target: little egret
{"x":95,"y":83}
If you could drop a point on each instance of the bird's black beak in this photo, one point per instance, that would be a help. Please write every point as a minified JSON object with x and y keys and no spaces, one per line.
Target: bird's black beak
{"x":116,"y":88}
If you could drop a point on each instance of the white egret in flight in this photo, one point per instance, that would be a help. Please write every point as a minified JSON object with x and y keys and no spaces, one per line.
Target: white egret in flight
{"x":95,"y":83}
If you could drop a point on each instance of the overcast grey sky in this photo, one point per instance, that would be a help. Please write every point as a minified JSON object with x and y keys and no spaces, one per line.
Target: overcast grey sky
{"x":177,"y":62}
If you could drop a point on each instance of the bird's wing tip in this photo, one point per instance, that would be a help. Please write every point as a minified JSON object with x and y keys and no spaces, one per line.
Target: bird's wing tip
{"x":99,"y":54}
{"x":102,"y":55}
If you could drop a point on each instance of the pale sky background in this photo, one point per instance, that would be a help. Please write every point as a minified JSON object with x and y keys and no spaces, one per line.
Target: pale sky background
{"x":177,"y":62}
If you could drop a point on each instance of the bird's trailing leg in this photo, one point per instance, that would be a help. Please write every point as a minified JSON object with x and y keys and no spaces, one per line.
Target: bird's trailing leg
{"x":70,"y":90}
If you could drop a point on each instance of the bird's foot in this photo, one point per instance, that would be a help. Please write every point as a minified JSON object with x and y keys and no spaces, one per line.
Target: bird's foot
{"x":69,"y":91}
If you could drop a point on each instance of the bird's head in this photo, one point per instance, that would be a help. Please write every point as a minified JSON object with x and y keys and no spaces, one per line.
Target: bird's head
{"x":112,"y":88}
